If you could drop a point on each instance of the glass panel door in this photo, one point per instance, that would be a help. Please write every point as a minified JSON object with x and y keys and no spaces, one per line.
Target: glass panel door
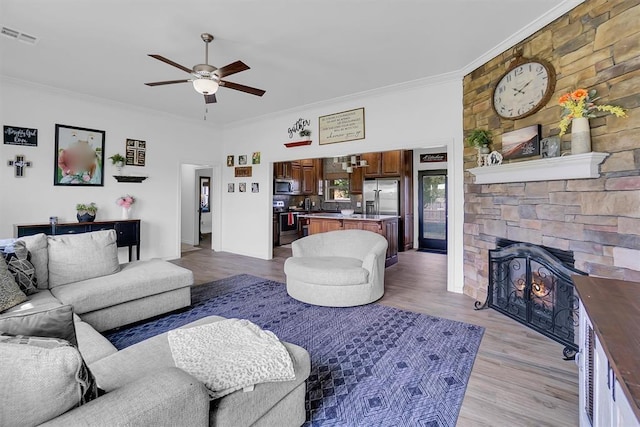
{"x":432,"y":194}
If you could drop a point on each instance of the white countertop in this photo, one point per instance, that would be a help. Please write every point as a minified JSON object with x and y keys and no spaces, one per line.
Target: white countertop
{"x":354,"y":217}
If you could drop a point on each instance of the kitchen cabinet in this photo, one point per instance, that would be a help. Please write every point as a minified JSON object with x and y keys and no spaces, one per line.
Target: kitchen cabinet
{"x":374,"y":168}
{"x":608,"y":356}
{"x":296,"y":176}
{"x":357,"y":181}
{"x":276,"y":229}
{"x":391,"y":163}
{"x":406,"y":201}
{"x":282,"y":170}
{"x":308,"y":181}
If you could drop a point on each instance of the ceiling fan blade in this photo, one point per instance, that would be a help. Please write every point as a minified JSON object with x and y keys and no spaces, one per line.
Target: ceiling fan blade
{"x":232,"y":68}
{"x":170,"y":62}
{"x":167,"y":82}
{"x":242,"y":88}
{"x":210,"y":99}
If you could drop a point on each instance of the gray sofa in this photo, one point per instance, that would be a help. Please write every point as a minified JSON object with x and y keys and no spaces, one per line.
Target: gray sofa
{"x":340,"y":268}
{"x":143,"y":386}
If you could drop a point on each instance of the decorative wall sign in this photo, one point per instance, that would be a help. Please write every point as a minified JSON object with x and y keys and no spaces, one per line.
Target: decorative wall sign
{"x":242,"y":160}
{"x":135,"y":152}
{"x":550,"y":147}
{"x":255,"y":187}
{"x":243,"y":171}
{"x":255,"y":158}
{"x":20,"y":136}
{"x":521,"y":143}
{"x":242,"y":187}
{"x":19,"y":165}
{"x":298,"y":126}
{"x":341,"y":127}
{"x":230,"y":161}
{"x":79,"y":156}
{"x":433,"y":157}
{"x":231,"y":187}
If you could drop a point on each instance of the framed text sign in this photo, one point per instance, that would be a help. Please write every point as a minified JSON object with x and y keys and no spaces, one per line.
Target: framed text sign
{"x":433,"y":157}
{"x":136,"y":152}
{"x":341,"y":127}
{"x":20,"y":136}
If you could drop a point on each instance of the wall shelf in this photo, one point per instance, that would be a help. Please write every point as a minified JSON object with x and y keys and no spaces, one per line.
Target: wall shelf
{"x":576,"y":166}
{"x":297,"y":143}
{"x":123,"y":178}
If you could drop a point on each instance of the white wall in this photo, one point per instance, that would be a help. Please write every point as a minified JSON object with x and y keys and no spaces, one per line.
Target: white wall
{"x":171,"y":141}
{"x":404,"y":117}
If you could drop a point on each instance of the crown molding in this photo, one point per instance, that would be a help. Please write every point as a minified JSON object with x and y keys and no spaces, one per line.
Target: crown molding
{"x":547,"y":18}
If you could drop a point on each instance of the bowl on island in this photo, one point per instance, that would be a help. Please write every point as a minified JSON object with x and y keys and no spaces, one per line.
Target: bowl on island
{"x":347,"y":212}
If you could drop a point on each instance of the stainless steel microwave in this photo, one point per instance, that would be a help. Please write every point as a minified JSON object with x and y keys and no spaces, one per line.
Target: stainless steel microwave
{"x":283,"y":186}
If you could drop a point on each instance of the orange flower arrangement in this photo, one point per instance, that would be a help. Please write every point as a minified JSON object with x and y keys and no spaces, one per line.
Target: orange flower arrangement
{"x":580,"y":103}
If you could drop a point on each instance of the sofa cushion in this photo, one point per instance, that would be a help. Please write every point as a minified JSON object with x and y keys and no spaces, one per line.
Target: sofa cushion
{"x":92,"y":344}
{"x":10,"y":293}
{"x":138,"y":279}
{"x":40,"y":300}
{"x":37,"y":246}
{"x":41,"y":379}
{"x":54,"y":322}
{"x":19,"y":264}
{"x":327,"y":270}
{"x":77,"y":257}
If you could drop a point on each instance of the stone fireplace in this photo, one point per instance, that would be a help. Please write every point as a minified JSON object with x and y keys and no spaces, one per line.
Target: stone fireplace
{"x":532,"y":284}
{"x":598,"y":219}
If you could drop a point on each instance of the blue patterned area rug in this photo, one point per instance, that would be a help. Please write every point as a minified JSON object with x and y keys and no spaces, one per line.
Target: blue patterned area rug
{"x":370,"y":365}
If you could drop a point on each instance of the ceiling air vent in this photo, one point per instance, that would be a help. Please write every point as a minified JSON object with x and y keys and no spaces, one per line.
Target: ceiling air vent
{"x":17,"y":35}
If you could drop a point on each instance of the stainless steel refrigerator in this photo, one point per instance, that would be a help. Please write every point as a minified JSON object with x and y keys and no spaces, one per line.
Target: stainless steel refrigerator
{"x":382,"y":196}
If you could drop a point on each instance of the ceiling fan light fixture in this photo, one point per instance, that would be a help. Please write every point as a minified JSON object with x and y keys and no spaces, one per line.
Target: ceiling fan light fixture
{"x":205,"y":86}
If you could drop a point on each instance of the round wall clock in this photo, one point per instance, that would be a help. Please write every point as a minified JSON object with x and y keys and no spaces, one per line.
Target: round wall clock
{"x":524,"y":89}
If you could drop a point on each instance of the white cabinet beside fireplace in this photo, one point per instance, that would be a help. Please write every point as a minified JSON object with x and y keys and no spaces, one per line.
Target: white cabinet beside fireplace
{"x":600,"y":393}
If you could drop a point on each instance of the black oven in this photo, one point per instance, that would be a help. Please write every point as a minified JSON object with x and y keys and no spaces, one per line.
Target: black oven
{"x":288,"y":227}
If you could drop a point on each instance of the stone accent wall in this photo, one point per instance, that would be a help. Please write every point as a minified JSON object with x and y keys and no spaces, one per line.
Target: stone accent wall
{"x":594,"y":46}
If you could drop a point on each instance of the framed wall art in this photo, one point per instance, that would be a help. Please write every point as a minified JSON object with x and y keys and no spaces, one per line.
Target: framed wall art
{"x":341,"y":127}
{"x":230,"y":161}
{"x":135,"y":152}
{"x":79,"y":156}
{"x":255,"y":187}
{"x":231,"y":187}
{"x":243,"y":171}
{"x":242,"y":160}
{"x":521,"y":143}
{"x":242,"y":187}
{"x":255,"y":158}
{"x":14,"y":135}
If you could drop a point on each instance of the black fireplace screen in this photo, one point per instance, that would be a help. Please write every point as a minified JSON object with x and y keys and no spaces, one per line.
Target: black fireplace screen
{"x":532,"y":286}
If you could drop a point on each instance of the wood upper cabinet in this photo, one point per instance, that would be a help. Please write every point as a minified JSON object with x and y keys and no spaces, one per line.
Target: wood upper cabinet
{"x":357,"y":181}
{"x":374,"y":169}
{"x":307,"y":163}
{"x":296,"y":176}
{"x":391,"y":163}
{"x":308,"y":180}
{"x":282,"y":170}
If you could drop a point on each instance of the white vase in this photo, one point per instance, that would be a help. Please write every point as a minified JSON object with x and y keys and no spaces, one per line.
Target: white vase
{"x":126,"y":213}
{"x":580,"y":136}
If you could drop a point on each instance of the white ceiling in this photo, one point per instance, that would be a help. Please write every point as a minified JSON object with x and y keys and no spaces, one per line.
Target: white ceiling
{"x":299,"y":51}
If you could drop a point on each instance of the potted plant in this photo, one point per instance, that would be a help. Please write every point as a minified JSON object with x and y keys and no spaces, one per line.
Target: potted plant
{"x":305,"y":134}
{"x":480,"y":139}
{"x":118,"y":161}
{"x":86,"y":213}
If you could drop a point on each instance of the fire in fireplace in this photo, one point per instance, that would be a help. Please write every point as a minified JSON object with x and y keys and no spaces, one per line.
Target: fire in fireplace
{"x":532,"y":284}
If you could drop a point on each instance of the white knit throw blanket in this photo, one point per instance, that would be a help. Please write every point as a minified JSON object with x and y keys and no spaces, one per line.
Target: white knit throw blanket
{"x":230,"y":355}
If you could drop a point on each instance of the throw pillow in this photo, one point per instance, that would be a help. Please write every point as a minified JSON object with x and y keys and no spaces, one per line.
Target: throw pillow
{"x":77,"y":257}
{"x":10,"y":293}
{"x":53,"y":323}
{"x":41,"y":379}
{"x":19,"y":264}
{"x":37,"y":246}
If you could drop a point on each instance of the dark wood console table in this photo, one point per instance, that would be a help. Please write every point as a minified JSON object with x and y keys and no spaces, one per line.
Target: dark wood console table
{"x":127,"y":231}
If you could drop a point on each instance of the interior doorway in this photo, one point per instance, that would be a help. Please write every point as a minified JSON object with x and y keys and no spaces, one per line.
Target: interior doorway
{"x":196,"y":219}
{"x":432,"y":199}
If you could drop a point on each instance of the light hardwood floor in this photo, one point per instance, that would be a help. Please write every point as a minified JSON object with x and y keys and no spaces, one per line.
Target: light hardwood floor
{"x":519,"y":377}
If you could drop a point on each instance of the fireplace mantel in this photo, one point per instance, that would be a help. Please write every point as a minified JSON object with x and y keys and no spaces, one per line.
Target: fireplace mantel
{"x":576,"y":166}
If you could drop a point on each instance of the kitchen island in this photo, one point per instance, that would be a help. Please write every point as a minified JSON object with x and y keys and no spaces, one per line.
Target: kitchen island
{"x":385,"y":225}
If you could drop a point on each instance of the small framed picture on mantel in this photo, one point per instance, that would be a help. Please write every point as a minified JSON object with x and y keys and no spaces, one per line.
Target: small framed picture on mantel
{"x":521,"y":143}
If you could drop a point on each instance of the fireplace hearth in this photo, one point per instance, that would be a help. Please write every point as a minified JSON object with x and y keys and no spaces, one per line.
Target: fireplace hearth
{"x":532,"y":284}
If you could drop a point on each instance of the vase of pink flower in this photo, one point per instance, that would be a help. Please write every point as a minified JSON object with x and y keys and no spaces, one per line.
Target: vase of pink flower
{"x":126,"y":203}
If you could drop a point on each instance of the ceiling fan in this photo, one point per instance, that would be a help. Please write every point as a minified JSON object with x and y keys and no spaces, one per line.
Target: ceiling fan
{"x":207,"y":78}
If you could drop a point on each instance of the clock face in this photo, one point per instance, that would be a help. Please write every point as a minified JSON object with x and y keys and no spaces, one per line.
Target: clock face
{"x":523,"y":90}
